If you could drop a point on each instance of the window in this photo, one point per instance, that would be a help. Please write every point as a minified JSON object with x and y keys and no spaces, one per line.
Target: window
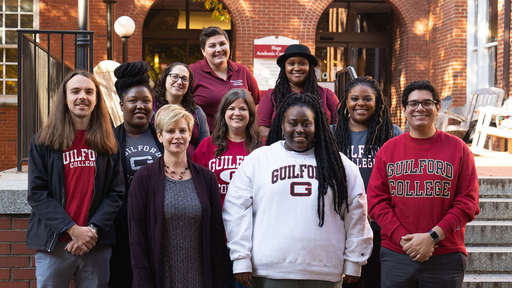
{"x":482,"y":44}
{"x":171,"y":33}
{"x":14,"y":14}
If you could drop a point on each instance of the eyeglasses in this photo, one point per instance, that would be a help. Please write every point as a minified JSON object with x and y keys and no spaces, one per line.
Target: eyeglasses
{"x":175,"y":77}
{"x":426,"y":104}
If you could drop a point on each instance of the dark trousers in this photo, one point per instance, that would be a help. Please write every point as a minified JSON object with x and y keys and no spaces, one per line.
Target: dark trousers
{"x":370,"y":274}
{"x":440,"y":271}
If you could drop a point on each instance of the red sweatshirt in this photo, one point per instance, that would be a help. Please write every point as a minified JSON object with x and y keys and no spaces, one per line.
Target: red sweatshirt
{"x":417,"y":184}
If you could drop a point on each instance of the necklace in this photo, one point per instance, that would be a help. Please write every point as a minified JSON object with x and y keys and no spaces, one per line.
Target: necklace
{"x":172,"y":174}
{"x":297,"y":168}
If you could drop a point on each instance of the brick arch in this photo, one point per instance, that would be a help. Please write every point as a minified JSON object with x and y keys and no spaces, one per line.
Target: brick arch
{"x":310,"y":21}
{"x":240,"y":16}
{"x":138,"y":12}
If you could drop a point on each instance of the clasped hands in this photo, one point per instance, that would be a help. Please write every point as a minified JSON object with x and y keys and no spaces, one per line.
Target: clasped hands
{"x":418,"y":246}
{"x":84,"y":238}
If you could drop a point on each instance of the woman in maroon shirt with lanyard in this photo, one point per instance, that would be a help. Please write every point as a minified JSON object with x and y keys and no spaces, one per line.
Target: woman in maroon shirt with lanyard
{"x":297,"y":75}
{"x":215,"y":75}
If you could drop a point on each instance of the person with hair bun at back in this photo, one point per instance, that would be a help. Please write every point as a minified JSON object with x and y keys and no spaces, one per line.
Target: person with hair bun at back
{"x":139,"y":146}
{"x":295,"y":211}
{"x":364,"y":125}
{"x":175,"y":87}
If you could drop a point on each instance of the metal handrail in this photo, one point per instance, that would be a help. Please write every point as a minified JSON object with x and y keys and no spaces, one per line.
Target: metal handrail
{"x":31,"y":121}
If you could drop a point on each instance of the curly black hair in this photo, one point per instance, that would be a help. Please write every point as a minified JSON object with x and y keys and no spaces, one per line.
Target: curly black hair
{"x":380,"y":128}
{"x":420,"y":85}
{"x":282,"y":88}
{"x":331,"y":172}
{"x":131,"y":74}
{"x":187,"y":101}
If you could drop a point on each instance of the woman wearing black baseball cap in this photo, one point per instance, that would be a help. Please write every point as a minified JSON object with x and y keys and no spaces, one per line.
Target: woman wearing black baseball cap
{"x":297,"y":75}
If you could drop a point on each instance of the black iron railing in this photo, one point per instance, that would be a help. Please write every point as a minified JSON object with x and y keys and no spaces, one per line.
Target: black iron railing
{"x":40,"y":74}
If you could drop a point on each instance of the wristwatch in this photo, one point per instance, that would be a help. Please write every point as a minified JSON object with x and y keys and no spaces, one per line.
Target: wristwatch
{"x":433,"y":234}
{"x":96,"y":229}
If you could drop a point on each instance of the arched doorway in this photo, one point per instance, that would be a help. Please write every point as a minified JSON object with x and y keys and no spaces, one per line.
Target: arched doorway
{"x":171,"y":33}
{"x":357,"y":34}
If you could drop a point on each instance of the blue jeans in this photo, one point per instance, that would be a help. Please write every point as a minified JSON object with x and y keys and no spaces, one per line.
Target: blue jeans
{"x":55,"y":269}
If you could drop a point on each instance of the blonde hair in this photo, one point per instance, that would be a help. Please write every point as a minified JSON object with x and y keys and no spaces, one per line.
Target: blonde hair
{"x":169,"y":114}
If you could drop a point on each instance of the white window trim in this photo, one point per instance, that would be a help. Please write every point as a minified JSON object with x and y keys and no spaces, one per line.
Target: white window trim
{"x":13,"y":99}
{"x":478,"y":78}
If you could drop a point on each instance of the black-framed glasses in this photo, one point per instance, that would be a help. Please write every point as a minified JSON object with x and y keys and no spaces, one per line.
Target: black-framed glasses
{"x":426,"y":104}
{"x":175,"y":77}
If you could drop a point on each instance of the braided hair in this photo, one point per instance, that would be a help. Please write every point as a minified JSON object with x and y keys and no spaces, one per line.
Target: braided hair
{"x":131,"y":74}
{"x":187,"y":101}
{"x":330,"y":169}
{"x":282,"y":88}
{"x":380,"y":128}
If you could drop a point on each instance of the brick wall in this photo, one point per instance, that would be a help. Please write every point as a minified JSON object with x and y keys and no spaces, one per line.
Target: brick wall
{"x":429,"y":40}
{"x":8,"y":136}
{"x":17,"y":265}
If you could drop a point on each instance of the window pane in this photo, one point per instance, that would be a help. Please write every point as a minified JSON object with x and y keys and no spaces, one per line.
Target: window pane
{"x":1,"y":58}
{"x":1,"y":71}
{"x":157,"y":55}
{"x":1,"y":20}
{"x":331,"y":60}
{"x":163,"y":19}
{"x":369,"y":17}
{"x":27,"y":21}
{"x":200,"y":19}
{"x":1,"y":87}
{"x":475,"y":38}
{"x":493,"y":21}
{"x":11,"y":87}
{"x":334,"y":18}
{"x":27,"y":5}
{"x":11,"y":21}
{"x":11,"y":5}
{"x":11,"y":71}
{"x":11,"y":37}
{"x":11,"y":55}
{"x":194,"y":53}
{"x":493,"y":80}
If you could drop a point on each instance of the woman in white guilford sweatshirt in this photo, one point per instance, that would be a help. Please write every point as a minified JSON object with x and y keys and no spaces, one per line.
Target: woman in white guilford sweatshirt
{"x":295,"y":213}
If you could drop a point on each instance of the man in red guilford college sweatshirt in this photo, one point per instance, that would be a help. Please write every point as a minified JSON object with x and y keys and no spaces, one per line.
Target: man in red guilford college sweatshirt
{"x":422,"y":192}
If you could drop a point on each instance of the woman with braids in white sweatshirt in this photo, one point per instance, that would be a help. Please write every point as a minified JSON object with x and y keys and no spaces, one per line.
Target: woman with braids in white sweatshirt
{"x":295,"y":213}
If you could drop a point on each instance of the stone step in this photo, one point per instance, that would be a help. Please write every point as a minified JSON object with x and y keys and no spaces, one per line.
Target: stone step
{"x":495,"y":187}
{"x":495,"y":209}
{"x":489,"y":233}
{"x":487,"y":281}
{"x":483,"y":260}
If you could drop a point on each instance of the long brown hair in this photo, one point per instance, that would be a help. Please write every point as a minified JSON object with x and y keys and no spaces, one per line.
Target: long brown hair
{"x":253,"y":138}
{"x":59,"y":131}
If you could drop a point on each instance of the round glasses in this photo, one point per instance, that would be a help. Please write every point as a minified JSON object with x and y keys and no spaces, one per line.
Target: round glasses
{"x":175,"y":77}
